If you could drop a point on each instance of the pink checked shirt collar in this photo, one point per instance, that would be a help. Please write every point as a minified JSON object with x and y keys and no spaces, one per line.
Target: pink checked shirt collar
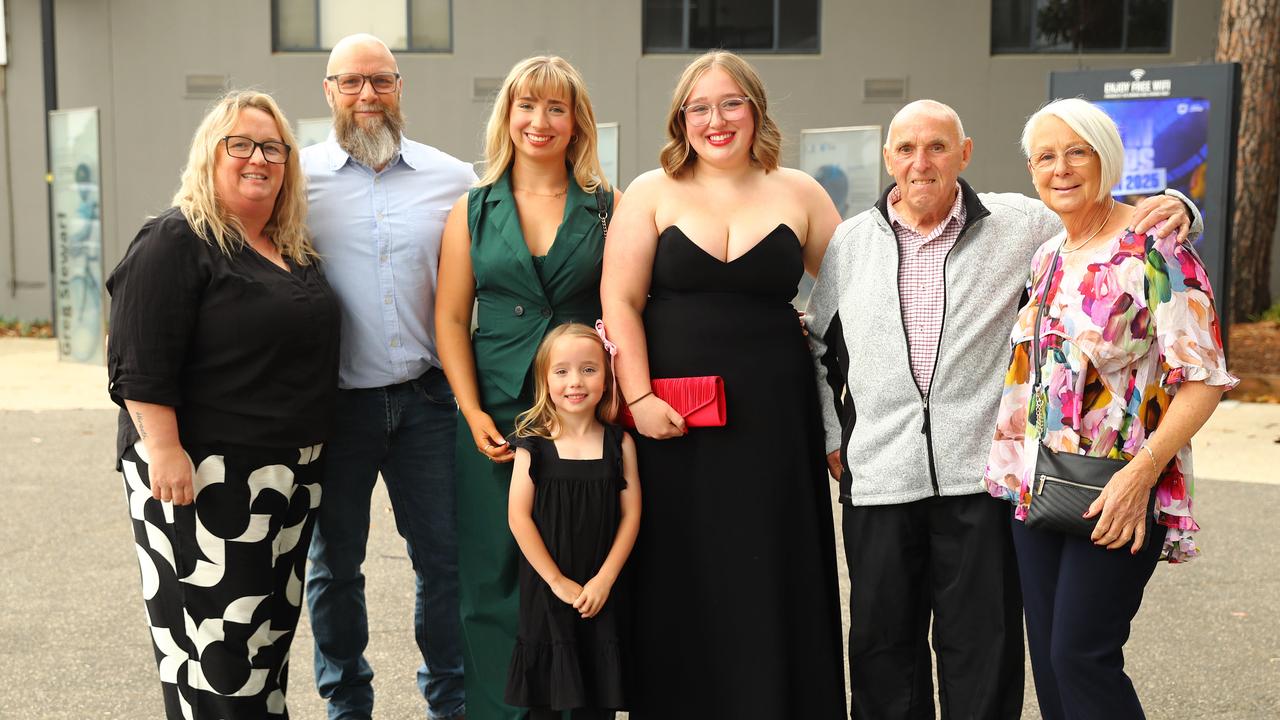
{"x":921,"y":290}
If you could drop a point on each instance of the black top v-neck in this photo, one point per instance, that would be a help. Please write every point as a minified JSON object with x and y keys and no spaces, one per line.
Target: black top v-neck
{"x":247,"y":352}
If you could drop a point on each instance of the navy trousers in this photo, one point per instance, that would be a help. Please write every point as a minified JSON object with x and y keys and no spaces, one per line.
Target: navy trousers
{"x":1080,"y":600}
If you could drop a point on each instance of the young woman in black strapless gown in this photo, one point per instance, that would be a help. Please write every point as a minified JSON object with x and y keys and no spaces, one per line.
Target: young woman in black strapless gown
{"x":737,"y":604}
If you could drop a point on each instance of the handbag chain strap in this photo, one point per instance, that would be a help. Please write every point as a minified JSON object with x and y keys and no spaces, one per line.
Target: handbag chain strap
{"x":1038,"y":394}
{"x":602,"y":211}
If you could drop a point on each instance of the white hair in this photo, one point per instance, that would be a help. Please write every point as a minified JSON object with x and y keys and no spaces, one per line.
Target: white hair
{"x":1094,"y":126}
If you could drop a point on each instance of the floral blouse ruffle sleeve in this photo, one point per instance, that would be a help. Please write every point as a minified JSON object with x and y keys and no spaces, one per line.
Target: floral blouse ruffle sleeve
{"x":1119,"y":334}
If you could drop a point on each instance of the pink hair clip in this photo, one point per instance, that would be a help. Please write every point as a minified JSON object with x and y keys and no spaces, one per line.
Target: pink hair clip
{"x":609,"y":347}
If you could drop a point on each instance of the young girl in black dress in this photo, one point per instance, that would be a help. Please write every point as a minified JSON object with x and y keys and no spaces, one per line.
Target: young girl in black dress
{"x":574,"y":510}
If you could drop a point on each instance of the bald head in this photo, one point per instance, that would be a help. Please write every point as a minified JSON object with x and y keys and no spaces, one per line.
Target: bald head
{"x":925,"y":152}
{"x":359,"y":49}
{"x":926,"y":109}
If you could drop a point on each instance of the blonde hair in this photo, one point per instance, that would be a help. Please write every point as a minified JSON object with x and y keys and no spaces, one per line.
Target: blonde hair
{"x":541,"y":419}
{"x":544,"y":76}
{"x":1093,"y":126}
{"x":766,"y":144}
{"x":197,"y":197}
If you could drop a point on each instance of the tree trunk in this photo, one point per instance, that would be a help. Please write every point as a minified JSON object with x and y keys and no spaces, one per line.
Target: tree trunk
{"x":1249,"y":33}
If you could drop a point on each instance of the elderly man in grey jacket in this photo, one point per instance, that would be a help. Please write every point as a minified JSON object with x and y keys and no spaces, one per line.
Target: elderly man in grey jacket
{"x":909,"y":323}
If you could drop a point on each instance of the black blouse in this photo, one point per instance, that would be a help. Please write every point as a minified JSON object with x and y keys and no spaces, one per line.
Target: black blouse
{"x":245,"y":352}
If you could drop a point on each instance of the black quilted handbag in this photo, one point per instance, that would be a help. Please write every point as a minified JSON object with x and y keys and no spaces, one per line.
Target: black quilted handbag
{"x":1065,"y":484}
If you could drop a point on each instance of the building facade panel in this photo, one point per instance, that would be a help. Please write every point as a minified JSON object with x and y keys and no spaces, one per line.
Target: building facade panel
{"x":132,"y":59}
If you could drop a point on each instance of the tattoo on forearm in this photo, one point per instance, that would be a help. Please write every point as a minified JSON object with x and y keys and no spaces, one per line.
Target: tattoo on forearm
{"x":137,"y":420}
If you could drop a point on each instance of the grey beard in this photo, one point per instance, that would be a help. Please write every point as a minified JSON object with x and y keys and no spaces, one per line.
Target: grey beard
{"x":373,"y":147}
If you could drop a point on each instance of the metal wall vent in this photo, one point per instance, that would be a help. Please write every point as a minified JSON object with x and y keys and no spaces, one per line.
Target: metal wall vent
{"x":484,"y":89}
{"x":884,"y":89}
{"x":207,"y":86}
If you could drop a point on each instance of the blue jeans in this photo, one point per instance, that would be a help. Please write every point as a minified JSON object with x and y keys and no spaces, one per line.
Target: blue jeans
{"x":406,"y":432}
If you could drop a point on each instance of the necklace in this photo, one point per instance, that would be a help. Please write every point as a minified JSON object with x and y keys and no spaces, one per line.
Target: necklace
{"x":558,"y":195}
{"x":1065,"y":251}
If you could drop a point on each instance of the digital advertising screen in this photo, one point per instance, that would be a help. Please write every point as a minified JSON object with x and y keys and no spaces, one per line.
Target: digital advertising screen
{"x":1178,"y":124}
{"x":1166,"y":145}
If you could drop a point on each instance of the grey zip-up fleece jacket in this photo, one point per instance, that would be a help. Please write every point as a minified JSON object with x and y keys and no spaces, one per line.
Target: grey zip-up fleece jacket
{"x":898,"y":445}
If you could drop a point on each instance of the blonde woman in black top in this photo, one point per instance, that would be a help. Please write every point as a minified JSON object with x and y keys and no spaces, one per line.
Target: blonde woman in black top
{"x":223,"y":358}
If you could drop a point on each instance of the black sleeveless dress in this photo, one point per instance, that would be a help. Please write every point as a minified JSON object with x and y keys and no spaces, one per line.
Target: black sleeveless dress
{"x":560,"y":660}
{"x":735,"y":591}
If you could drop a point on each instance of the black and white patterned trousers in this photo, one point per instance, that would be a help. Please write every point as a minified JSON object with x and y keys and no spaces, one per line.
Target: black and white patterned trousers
{"x":222,"y":577}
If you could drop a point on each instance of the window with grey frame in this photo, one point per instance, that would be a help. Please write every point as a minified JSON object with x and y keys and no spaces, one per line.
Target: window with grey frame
{"x":1081,"y":26}
{"x":764,"y":26}
{"x":404,"y":25}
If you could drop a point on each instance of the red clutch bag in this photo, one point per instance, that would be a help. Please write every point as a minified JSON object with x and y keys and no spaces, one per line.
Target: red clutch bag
{"x":699,"y":400}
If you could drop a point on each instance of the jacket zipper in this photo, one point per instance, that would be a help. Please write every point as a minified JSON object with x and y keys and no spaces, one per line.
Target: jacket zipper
{"x":928,"y":441}
{"x":926,"y":429}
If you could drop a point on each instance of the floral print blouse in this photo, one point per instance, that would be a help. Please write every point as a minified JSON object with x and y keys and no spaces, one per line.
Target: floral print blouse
{"x":1118,"y":334}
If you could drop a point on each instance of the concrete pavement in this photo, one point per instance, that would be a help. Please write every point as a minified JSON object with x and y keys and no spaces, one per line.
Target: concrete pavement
{"x":73,"y":641}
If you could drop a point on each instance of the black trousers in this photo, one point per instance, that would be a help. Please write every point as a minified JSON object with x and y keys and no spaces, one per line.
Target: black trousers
{"x":946,"y":557}
{"x":1080,"y":602}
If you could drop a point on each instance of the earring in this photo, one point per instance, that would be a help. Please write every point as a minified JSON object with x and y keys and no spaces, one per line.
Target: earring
{"x":573,"y":138}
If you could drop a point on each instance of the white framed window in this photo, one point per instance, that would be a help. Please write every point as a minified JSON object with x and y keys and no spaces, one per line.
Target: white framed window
{"x":404,"y":25}
{"x":753,"y":26}
{"x":1081,"y":26}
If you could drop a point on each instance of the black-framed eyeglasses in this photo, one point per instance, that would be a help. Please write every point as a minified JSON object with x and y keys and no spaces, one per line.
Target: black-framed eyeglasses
{"x":353,"y":83}
{"x":273,"y":151}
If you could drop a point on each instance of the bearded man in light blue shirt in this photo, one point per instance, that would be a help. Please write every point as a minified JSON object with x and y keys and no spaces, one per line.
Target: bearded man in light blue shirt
{"x":378,"y":203}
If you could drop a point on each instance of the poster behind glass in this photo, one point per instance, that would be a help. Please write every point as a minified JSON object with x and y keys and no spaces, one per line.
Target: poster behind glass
{"x":311,"y":131}
{"x":607,"y":148}
{"x":79,"y":317}
{"x":846,"y":163}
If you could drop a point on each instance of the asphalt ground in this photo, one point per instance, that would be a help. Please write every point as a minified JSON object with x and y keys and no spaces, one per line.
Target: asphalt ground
{"x":74,"y":642}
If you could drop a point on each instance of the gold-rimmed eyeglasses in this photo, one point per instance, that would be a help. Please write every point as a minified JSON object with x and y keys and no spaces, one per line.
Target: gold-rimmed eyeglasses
{"x":731,"y":108}
{"x":1075,"y":156}
{"x":353,"y":83}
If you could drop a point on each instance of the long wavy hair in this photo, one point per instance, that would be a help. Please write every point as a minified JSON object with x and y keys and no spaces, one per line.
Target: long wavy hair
{"x":198,"y":199}
{"x":544,"y":76}
{"x":766,"y":145}
{"x":541,"y":419}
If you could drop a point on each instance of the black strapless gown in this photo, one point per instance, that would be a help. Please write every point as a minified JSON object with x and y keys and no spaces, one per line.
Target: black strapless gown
{"x":735,"y":591}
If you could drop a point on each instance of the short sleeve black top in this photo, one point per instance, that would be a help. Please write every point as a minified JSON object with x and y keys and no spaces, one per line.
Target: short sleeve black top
{"x":245,"y":352}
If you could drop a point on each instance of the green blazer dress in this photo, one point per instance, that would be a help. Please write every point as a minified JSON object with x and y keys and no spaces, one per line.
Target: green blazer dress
{"x":519,"y":299}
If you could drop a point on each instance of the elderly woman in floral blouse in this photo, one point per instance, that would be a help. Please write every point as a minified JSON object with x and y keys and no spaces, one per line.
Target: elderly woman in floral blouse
{"x":1133,"y":365}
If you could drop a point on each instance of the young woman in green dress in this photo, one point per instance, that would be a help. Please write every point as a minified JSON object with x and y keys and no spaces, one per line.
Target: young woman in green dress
{"x":524,"y":246}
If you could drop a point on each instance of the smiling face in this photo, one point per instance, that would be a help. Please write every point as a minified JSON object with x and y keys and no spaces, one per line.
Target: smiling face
{"x":368,"y":109}
{"x":541,"y":127}
{"x":576,"y":375}
{"x":925,"y":154}
{"x":248,"y":186}
{"x":1064,"y":188}
{"x":721,"y":141}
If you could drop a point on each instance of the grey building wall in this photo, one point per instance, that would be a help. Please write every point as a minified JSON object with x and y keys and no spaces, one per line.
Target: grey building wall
{"x":130,"y":58}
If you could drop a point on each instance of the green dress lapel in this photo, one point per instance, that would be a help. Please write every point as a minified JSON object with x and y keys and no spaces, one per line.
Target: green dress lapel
{"x":505,"y":219}
{"x":580,"y":216}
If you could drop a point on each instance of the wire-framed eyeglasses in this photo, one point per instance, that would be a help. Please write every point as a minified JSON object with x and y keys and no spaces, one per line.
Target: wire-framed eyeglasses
{"x":273,"y":151}
{"x":731,"y":108}
{"x":1075,"y":156}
